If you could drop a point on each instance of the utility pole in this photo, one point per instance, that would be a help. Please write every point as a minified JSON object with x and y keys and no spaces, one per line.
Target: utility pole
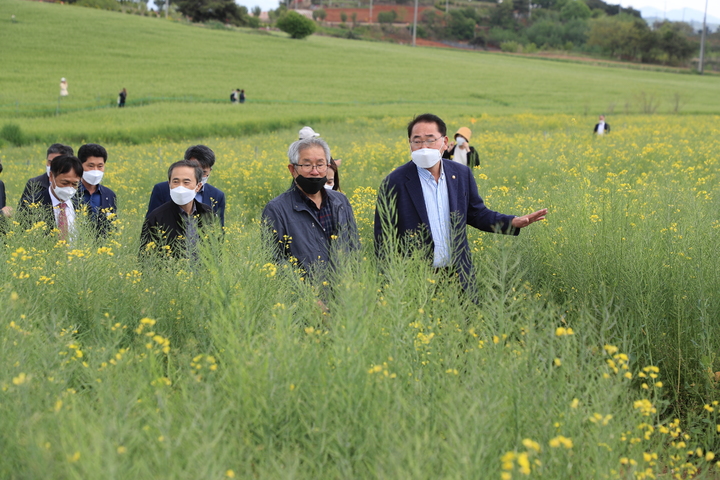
{"x":415,"y":22}
{"x":370,"y":19}
{"x":167,"y":8}
{"x":702,"y":41}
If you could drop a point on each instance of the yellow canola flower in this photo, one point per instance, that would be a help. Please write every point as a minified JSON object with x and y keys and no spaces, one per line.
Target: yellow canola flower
{"x":531,"y":444}
{"x":561,"y":440}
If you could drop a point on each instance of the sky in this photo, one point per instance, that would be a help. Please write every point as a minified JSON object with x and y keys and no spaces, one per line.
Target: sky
{"x":713,"y":6}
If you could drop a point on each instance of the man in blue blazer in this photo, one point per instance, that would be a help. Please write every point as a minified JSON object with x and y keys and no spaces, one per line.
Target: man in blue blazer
{"x":101,"y":202}
{"x":208,"y":194}
{"x":427,"y":203}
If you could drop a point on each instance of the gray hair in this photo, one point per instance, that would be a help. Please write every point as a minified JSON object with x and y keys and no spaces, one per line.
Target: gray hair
{"x":293,"y":152}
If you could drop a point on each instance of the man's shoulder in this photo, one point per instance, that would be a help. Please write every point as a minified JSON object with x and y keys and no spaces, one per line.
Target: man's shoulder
{"x":214,"y":191}
{"x":338,"y":197}
{"x":106,"y":191}
{"x":402,"y":171}
{"x":42,"y":180}
{"x":161,"y":212}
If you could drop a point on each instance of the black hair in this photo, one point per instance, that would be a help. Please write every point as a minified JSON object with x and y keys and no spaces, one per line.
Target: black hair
{"x":428,"y":118}
{"x":195,"y":165}
{"x":202,"y":154}
{"x":64,"y":164}
{"x":92,"y":150}
{"x":336,"y":181}
{"x":59,"y":148}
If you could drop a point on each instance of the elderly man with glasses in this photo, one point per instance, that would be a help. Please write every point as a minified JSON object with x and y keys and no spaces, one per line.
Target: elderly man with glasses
{"x":428,"y":202}
{"x":308,"y":222}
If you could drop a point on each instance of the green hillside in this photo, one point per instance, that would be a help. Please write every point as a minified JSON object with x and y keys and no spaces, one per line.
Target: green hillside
{"x":179,"y":78}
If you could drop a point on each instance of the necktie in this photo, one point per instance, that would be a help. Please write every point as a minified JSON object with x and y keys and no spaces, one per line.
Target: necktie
{"x":63,"y":221}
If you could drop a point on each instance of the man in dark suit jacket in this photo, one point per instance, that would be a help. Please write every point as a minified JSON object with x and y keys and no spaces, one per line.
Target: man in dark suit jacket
{"x":56,"y":205}
{"x":428,"y":202}
{"x":42,"y":182}
{"x":207,"y":194}
{"x":601,"y":127}
{"x":177,"y":226}
{"x":100,"y":200}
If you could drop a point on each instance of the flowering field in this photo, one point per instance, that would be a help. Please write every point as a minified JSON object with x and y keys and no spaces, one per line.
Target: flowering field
{"x":592,"y":353}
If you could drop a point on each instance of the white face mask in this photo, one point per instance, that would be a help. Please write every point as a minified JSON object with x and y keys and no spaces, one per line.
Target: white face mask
{"x":426,"y":157}
{"x":205,"y":180}
{"x":460,"y":140}
{"x":328,"y":187}
{"x":93,"y":177}
{"x":181,"y":195}
{"x":64,"y":193}
{"x":47,"y":169}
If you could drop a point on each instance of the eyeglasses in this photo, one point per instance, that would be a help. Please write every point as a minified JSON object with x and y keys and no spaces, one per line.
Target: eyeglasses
{"x":309,"y":168}
{"x":427,"y":143}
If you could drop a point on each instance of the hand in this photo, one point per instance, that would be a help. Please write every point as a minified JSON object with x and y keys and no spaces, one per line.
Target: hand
{"x":7,"y":211}
{"x":450,"y":146}
{"x":525,"y":220}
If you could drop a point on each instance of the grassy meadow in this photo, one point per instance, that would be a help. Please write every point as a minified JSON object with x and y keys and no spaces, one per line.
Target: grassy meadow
{"x":591,"y":354}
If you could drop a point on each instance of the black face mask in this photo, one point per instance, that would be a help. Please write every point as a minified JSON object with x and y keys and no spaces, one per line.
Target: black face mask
{"x":310,"y":185}
{"x":0,"y":167}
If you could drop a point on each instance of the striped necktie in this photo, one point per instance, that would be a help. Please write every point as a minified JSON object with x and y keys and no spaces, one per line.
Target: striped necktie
{"x":63,"y":221}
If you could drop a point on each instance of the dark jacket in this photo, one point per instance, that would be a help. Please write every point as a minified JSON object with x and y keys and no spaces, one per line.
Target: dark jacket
{"x":101,"y":219}
{"x":401,"y":208}
{"x":210,"y":196}
{"x":606,"y":130}
{"x":165,"y":226}
{"x":294,"y":229}
{"x":473,"y":157}
{"x":33,"y":187}
{"x":3,"y":196}
{"x":36,"y":205}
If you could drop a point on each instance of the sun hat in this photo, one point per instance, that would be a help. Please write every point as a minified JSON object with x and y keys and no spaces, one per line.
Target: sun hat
{"x":465,"y":132}
{"x":307,"y":132}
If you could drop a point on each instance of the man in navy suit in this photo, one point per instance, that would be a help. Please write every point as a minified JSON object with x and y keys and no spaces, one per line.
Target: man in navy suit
{"x":207,"y":194}
{"x":427,"y":203}
{"x":42,"y":182}
{"x":100,"y":200}
{"x":56,"y":205}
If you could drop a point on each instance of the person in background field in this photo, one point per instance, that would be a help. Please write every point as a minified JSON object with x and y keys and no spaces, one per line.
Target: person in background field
{"x":207,"y":194}
{"x":57,"y":204}
{"x":435,"y":199}
{"x":460,"y":151}
{"x":122,"y":96}
{"x":601,"y":127}
{"x":180,"y":222}
{"x":63,"y":87}
{"x":234,"y":96}
{"x":333,"y":177}
{"x":305,"y":221}
{"x":100,"y":200}
{"x":42,"y":182}
{"x":5,"y":209}
{"x":242,"y":96}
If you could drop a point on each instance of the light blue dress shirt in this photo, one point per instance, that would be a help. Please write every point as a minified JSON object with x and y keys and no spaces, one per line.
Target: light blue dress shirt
{"x":438,"y":210}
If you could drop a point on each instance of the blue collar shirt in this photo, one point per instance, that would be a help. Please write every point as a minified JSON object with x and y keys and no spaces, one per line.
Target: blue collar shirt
{"x":437,"y":205}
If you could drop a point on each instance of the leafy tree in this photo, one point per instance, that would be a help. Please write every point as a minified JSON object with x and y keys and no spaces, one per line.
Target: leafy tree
{"x":343,"y":17}
{"x":226,"y":11}
{"x":319,"y":14}
{"x":387,"y":17}
{"x":674,"y":42}
{"x":256,"y":11}
{"x":460,"y":25}
{"x":296,"y":25}
{"x":575,"y":9}
{"x":503,"y":16}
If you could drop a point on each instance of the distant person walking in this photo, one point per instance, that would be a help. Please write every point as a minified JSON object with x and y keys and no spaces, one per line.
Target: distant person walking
{"x":63,"y":87}
{"x":121,"y":98}
{"x":601,"y":127}
{"x":242,"y":96}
